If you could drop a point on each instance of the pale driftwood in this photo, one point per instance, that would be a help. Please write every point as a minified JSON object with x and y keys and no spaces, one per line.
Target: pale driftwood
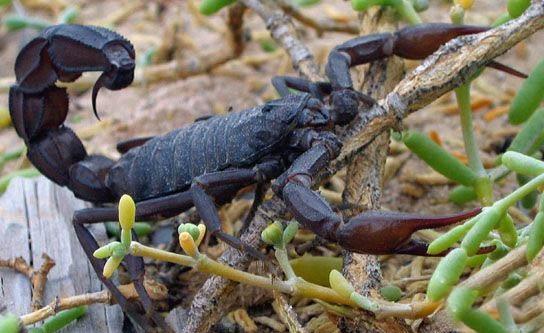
{"x":35,"y":218}
{"x":14,"y":287}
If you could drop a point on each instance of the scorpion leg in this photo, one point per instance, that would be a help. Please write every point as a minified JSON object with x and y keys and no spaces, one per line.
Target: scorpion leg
{"x":317,"y":89}
{"x":357,"y":51}
{"x":152,"y":209}
{"x":136,"y":269}
{"x":260,"y":192}
{"x":89,"y":245}
{"x":205,"y":205}
{"x":503,"y":68}
{"x":294,"y":185}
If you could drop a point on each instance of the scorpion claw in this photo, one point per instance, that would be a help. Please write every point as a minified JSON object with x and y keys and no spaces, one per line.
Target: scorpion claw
{"x":382,"y":232}
{"x":506,"y":69}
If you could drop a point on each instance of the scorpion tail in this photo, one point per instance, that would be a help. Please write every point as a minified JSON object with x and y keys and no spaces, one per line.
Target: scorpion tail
{"x":53,"y":148}
{"x":38,"y":108}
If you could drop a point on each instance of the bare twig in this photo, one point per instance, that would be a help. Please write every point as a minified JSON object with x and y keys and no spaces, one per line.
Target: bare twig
{"x":120,"y":14}
{"x":319,"y":25}
{"x":283,"y":31}
{"x":489,"y":277}
{"x":156,"y":291}
{"x":204,"y":312}
{"x":498,"y":271}
{"x":200,"y":19}
{"x":235,"y":23}
{"x":177,"y":68}
{"x":524,"y":290}
{"x":445,"y":70}
{"x":38,"y":278}
{"x":531,"y":311}
{"x":183,"y":68}
{"x":286,"y":313}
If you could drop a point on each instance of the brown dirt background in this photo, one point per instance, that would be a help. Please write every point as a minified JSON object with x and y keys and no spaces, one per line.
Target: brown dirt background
{"x":160,"y":107}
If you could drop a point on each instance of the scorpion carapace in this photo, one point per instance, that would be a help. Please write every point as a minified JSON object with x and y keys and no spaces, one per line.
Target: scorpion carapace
{"x":205,"y":163}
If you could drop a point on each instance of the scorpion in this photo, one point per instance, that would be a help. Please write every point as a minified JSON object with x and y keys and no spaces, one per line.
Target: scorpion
{"x":204,"y":164}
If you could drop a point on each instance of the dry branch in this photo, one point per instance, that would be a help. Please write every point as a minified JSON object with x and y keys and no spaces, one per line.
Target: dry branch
{"x":287,"y":313}
{"x":319,"y":25}
{"x":283,"y":32}
{"x":38,"y":278}
{"x":235,"y":23}
{"x":528,"y":287}
{"x":448,"y":68}
{"x":156,"y":291}
{"x":177,"y":68}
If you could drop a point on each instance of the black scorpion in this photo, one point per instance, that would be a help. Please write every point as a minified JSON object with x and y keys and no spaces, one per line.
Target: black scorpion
{"x":205,"y":163}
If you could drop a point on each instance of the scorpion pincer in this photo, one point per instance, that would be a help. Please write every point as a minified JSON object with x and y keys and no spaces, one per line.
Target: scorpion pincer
{"x":288,"y":140}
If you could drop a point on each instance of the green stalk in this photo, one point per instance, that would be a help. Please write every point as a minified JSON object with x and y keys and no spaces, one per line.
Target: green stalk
{"x":404,"y":7}
{"x":283,"y":261}
{"x":9,"y":323}
{"x":505,"y":315}
{"x":449,"y":238}
{"x":209,"y":7}
{"x":439,"y":159}
{"x":407,"y":11}
{"x":17,"y":22}
{"x":483,"y":186}
{"x":316,"y":269}
{"x":63,"y":318}
{"x":471,"y":147}
{"x":519,"y":193}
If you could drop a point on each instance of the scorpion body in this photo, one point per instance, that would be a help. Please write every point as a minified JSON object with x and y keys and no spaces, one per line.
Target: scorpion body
{"x":236,"y":140}
{"x":287,"y":141}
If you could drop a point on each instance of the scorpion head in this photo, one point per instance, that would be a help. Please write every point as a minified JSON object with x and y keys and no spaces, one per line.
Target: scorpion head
{"x":345,"y":105}
{"x":120,"y":73}
{"x":339,"y":108}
